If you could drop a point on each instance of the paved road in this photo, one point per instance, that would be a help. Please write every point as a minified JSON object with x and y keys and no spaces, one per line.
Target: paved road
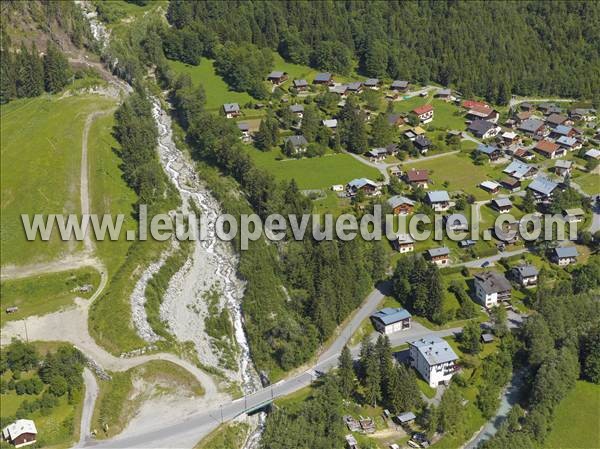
{"x":91,"y":394}
{"x":491,"y":259}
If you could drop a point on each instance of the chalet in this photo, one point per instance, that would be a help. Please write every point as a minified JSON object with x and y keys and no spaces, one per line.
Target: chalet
{"x":456,"y":222}
{"x":372,"y":83}
{"x":491,"y":288}
{"x":562,"y":167}
{"x":569,"y":143}
{"x":466,"y":243}
{"x":418,"y":178}
{"x":563,"y":131}
{"x":520,"y":170}
{"x":422,"y":144}
{"x":532,"y":126}
{"x":564,"y":255}
{"x":493,"y":153}
{"x":486,"y":113}
{"x":377,"y":154}
{"x":404,"y":243}
{"x":542,"y":188}
{"x":340,"y":89}
{"x":439,"y":256}
{"x":297,"y":110}
{"x":444,"y":94}
{"x":483,"y":129}
{"x":434,"y":359}
{"x":575,"y":215}
{"x":401,"y":205}
{"x":300,"y":85}
{"x":232,"y":110}
{"x":523,"y":154}
{"x":399,"y":85}
{"x":323,"y":78}
{"x":526,"y":275}
{"x":508,"y":232}
{"x":553,"y":120}
{"x":510,"y":137}
{"x":396,"y":171}
{"x":245,"y":130}
{"x":392,"y":149}
{"x":549,"y":149}
{"x":330,"y":123}
{"x":355,"y":87}
{"x":582,"y":114}
{"x":593,"y":154}
{"x":546,"y":108}
{"x":362,"y":185}
{"x":490,"y":186}
{"x":512,"y":184}
{"x":298,"y":143}
{"x":472,"y":104}
{"x":20,"y":433}
{"x":277,"y":77}
{"x":413,"y":133}
{"x":424,"y":113}
{"x":527,"y":107}
{"x":395,"y":120}
{"x":502,"y":205}
{"x":520,"y":117}
{"x":439,"y":200}
{"x":390,"y":320}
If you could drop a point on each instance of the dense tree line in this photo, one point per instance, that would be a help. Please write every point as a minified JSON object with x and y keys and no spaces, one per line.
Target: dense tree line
{"x":27,"y":74}
{"x":52,"y":376}
{"x":418,"y":286}
{"x":420,"y":40}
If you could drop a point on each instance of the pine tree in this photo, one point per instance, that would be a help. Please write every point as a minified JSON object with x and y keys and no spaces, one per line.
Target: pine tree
{"x":56,"y":69}
{"x":30,"y":77}
{"x":381,"y":131}
{"x":8,"y":87}
{"x":346,"y":373}
{"x":310,"y":123}
{"x":372,"y":380}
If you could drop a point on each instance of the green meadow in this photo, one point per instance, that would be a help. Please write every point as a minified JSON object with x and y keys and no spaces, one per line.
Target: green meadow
{"x":40,"y":169}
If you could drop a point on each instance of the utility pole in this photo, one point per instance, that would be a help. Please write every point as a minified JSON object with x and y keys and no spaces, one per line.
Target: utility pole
{"x":221,"y":407}
{"x":26,"y":334}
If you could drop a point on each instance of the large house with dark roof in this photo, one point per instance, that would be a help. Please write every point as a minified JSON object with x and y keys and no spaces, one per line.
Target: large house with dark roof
{"x":484,"y":129}
{"x":532,"y":126}
{"x":434,"y":359}
{"x":526,"y":275}
{"x":491,"y":288}
{"x":323,"y":78}
{"x":231,"y":110}
{"x":418,"y":178}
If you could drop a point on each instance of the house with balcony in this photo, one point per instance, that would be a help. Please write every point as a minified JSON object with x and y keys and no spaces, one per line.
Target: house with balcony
{"x":424,"y":113}
{"x":526,"y":275}
{"x":401,"y":205}
{"x":439,"y":200}
{"x":434,"y":359}
{"x":404,"y":244}
{"x":438,"y":256}
{"x":390,"y":320}
{"x":492,"y":288}
{"x":564,"y":255}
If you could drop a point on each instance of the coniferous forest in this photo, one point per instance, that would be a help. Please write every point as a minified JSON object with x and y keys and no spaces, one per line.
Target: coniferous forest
{"x":490,"y":49}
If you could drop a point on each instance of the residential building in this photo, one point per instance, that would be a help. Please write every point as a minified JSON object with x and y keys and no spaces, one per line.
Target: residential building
{"x":401,"y":205}
{"x":424,"y":113}
{"x":564,"y":255}
{"x":569,"y":143}
{"x":527,"y":107}
{"x":542,"y":188}
{"x":418,"y":178}
{"x":404,"y":244}
{"x":553,"y":120}
{"x":298,"y":143}
{"x":562,"y":167}
{"x":526,"y":275}
{"x":301,"y":85}
{"x":512,"y":184}
{"x":490,"y":186}
{"x":399,"y":85}
{"x":510,"y":137}
{"x":491,"y":288}
{"x":492,"y":152}
{"x":439,"y":200}
{"x":532,"y":126}
{"x":330,"y":123}
{"x":520,"y":170}
{"x":340,"y":89}
{"x":549,"y":149}
{"x":574,"y":215}
{"x":483,"y":113}
{"x":362,"y":184}
{"x":483,"y":129}
{"x":548,"y":108}
{"x":439,"y":256}
{"x":277,"y":77}
{"x":472,"y":104}
{"x":582,"y":114}
{"x":297,"y":110}
{"x":372,"y":83}
{"x":444,"y":94}
{"x":593,"y":154}
{"x":390,"y":320}
{"x":232,"y":110}
{"x":502,"y":205}
{"x":422,"y":144}
{"x":245,"y":130}
{"x":323,"y":78}
{"x":434,"y":359}
{"x":377,"y":154}
{"x":20,"y":433}
{"x":355,"y":87}
{"x":395,"y":120}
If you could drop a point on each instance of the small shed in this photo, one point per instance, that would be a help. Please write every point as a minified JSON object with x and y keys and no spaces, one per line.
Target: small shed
{"x":406,"y":417}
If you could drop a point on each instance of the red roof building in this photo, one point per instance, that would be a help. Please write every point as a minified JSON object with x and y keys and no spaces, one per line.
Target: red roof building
{"x":472,"y":104}
{"x":548,"y":149}
{"x":425,"y":113}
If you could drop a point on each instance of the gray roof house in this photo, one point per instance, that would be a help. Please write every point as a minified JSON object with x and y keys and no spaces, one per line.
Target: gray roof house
{"x":399,"y":200}
{"x":526,"y":274}
{"x":542,"y":187}
{"x":483,"y":128}
{"x":300,"y":84}
{"x":384,"y":319}
{"x":231,"y":109}
{"x":323,"y":78}
{"x":434,"y":359}
{"x":297,"y":108}
{"x":565,"y":255}
{"x":438,"y":196}
{"x":531,"y":126}
{"x":299,"y":143}
{"x":372,"y":82}
{"x":491,"y":288}
{"x":399,"y":85}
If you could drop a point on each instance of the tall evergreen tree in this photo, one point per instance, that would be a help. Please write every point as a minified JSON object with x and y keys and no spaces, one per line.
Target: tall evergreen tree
{"x":346,"y":373}
{"x":56,"y":69}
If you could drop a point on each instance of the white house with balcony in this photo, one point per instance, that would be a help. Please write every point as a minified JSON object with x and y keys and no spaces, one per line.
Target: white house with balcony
{"x":492,"y":288}
{"x":434,"y":359}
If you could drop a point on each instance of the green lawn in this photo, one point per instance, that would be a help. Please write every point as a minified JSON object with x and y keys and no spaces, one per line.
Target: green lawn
{"x":225,"y":436}
{"x":447,"y":116}
{"x":39,"y":295}
{"x":109,"y":192}
{"x":314,"y":173}
{"x":576,"y":422}
{"x":589,"y":182}
{"x":40,"y":169}
{"x":217,"y":91}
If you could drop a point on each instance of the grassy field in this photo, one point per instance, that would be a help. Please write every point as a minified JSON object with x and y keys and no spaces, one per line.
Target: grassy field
{"x":225,"y":436}
{"x":118,"y":399}
{"x":314,"y":173}
{"x":217,"y":91}
{"x":109,"y":192}
{"x":575,"y":422}
{"x":589,"y":182}
{"x":39,"y":295}
{"x":40,"y":169}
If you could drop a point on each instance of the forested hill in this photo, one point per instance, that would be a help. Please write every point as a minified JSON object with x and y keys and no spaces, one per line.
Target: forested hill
{"x":489,"y":48}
